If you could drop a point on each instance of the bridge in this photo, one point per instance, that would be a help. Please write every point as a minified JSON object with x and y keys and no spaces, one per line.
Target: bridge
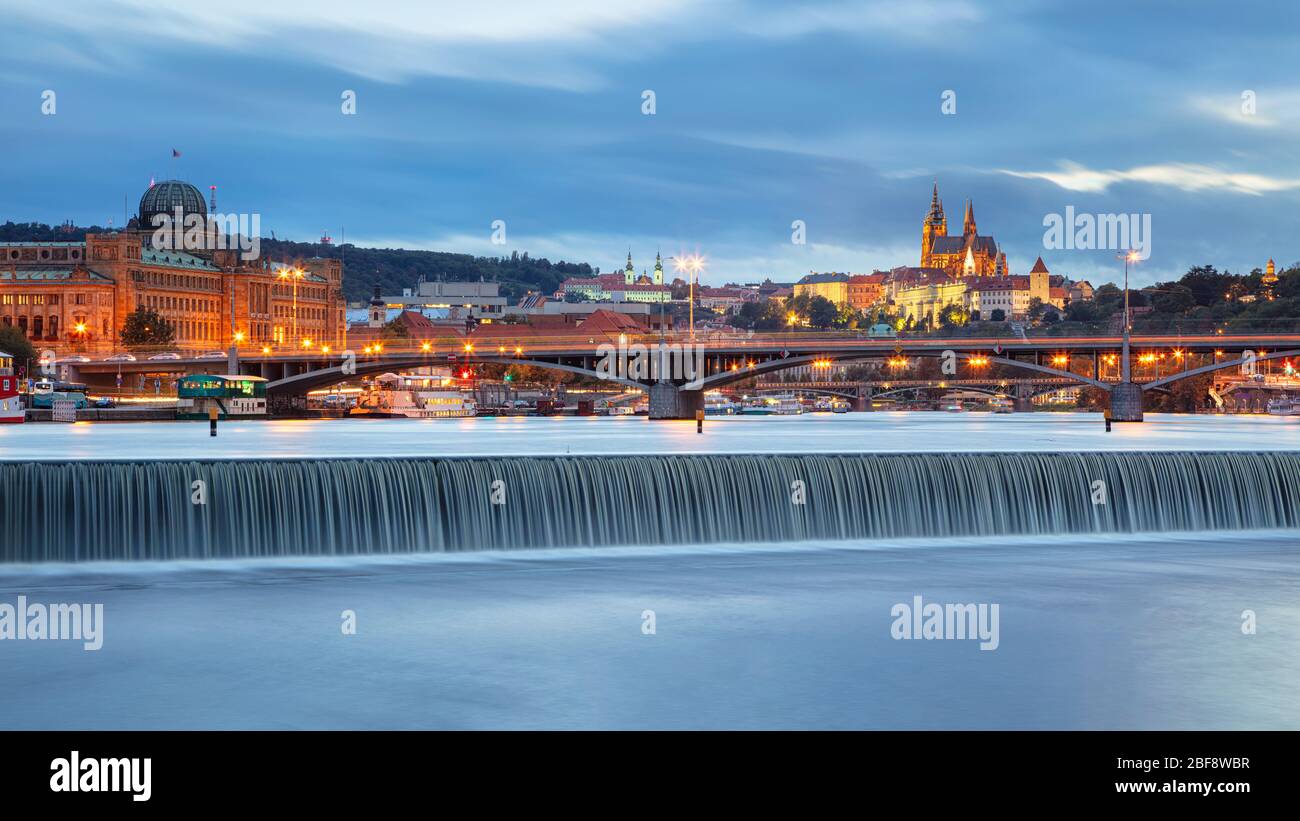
{"x":860,"y":393}
{"x":676,"y":372}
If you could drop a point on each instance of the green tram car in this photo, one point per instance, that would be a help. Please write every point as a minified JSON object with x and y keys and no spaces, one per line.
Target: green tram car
{"x":234,"y":397}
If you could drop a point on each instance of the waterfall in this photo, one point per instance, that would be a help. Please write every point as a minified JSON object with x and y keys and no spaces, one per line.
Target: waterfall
{"x":82,"y":511}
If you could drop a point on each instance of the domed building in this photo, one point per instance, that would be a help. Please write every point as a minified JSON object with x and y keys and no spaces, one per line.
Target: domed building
{"x":77,"y":295}
{"x":167,"y":196}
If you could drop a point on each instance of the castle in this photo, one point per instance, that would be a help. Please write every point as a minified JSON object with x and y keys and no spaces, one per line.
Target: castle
{"x":967,"y":255}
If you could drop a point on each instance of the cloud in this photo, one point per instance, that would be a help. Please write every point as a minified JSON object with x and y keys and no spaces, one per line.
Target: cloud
{"x":521,"y":41}
{"x":1183,"y":176}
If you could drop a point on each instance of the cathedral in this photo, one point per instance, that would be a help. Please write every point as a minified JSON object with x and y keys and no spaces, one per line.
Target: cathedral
{"x":967,"y":255}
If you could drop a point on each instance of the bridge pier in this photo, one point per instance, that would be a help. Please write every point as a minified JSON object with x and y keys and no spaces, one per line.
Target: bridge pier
{"x":862,"y":402}
{"x":669,"y":401}
{"x":1024,"y":401}
{"x":1125,"y":402}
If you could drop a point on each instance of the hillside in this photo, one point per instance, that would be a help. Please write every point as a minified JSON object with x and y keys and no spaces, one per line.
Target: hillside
{"x":391,"y":268}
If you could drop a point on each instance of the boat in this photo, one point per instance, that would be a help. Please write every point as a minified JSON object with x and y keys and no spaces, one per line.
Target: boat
{"x":391,"y":396}
{"x":11,"y":406}
{"x":840,"y":406}
{"x":717,"y":404}
{"x":232,"y":396}
{"x":1001,"y":404}
{"x":787,"y":406}
{"x":953,"y":407}
{"x":1284,"y":406}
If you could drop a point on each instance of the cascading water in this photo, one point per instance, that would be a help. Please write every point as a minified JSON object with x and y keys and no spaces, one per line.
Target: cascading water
{"x":82,"y":511}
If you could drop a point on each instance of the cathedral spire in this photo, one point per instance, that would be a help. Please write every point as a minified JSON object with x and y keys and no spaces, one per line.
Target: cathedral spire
{"x":968,"y":222}
{"x":936,"y":206}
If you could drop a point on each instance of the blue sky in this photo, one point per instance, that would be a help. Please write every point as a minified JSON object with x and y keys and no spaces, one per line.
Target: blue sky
{"x":765,"y":113}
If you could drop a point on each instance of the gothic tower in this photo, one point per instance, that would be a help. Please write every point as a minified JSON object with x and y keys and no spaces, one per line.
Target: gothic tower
{"x":968,"y":222}
{"x":659,"y":269}
{"x":629,"y":273}
{"x":935,"y":225}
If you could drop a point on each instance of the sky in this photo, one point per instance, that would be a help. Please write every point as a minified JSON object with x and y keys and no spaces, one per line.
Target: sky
{"x":515,"y":125}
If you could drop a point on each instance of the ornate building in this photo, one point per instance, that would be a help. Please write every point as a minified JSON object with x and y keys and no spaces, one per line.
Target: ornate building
{"x":966,"y":255}
{"x":70,"y":295}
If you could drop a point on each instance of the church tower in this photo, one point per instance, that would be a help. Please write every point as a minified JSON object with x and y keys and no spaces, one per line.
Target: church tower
{"x":659,"y":269}
{"x":1269,"y":279}
{"x":968,"y":222}
{"x":935,"y":225}
{"x":378,"y":310}
{"x":629,"y":273}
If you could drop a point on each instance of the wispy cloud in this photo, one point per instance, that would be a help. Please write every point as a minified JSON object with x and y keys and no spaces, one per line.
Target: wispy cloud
{"x":1183,"y":176}
{"x":1265,"y":108}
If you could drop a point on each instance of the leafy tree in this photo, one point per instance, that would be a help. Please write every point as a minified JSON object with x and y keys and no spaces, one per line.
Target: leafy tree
{"x":145,"y":327}
{"x":393,"y":329}
{"x":1172,"y":298}
{"x":998,"y":315}
{"x":15,"y":343}
{"x":821,"y":312}
{"x":953,"y":316}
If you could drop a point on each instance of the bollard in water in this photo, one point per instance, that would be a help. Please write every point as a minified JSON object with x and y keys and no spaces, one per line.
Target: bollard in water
{"x":699,"y":421}
{"x":212,"y":421}
{"x":1108,"y":424}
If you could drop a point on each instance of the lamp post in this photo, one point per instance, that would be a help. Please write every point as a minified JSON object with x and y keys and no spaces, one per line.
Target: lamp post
{"x":692,"y":264}
{"x":1129,"y":257}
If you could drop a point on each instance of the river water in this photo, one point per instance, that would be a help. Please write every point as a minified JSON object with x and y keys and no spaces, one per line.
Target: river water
{"x":1178,"y":626}
{"x":881,"y":432}
{"x":1113,"y":632}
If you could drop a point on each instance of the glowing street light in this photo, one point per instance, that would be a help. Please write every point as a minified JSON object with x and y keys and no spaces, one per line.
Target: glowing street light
{"x":266,"y":350}
{"x":1131,"y":258}
{"x":239,"y":337}
{"x":426,"y":346}
{"x":692,"y":264}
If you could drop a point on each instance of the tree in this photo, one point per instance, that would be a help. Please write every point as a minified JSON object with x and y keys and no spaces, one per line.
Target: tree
{"x":1172,"y":298}
{"x":998,"y":315}
{"x":15,"y":343}
{"x":821,"y":312}
{"x":394,"y":329}
{"x":953,"y":316}
{"x":144,"y":328}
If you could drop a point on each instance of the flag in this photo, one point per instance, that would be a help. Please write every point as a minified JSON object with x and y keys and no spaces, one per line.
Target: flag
{"x":175,"y":153}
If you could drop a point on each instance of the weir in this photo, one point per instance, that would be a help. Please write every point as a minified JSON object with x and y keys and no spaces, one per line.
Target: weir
{"x":81,"y":511}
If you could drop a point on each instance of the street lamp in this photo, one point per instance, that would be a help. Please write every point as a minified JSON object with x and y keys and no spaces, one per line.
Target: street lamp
{"x":1130,"y":257}
{"x":692,"y":265}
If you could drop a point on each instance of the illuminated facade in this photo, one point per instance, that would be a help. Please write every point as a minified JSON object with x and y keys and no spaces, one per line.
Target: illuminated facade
{"x":78,"y":294}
